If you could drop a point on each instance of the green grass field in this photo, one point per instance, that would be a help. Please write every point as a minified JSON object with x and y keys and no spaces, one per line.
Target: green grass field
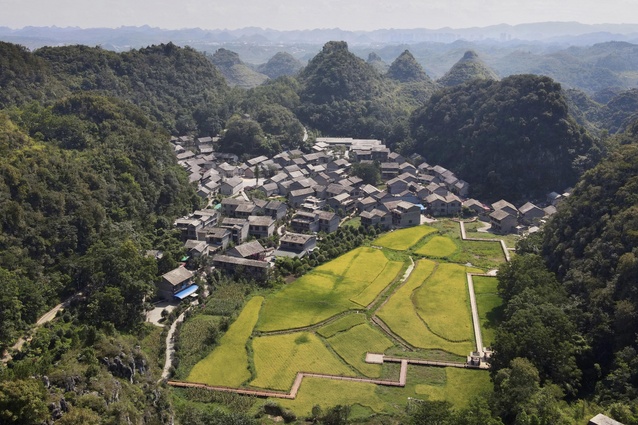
{"x":403,"y":239}
{"x":471,"y":232}
{"x":353,"y":344}
{"x":327,"y":290}
{"x":342,"y":324}
{"x":489,"y":306}
{"x":227,"y":364}
{"x":438,"y":247}
{"x":446,"y":287}
{"x":278,"y":358}
{"x":399,"y":313}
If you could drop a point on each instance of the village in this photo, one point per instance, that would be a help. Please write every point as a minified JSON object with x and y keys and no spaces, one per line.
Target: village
{"x":266,"y":208}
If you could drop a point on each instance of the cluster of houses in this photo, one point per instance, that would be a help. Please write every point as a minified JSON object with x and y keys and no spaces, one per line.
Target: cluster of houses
{"x":309,"y":193}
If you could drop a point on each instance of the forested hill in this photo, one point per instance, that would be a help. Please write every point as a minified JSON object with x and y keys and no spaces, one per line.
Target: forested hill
{"x":74,"y":175}
{"x":177,"y":86}
{"x":512,"y":138}
{"x":571,"y":301}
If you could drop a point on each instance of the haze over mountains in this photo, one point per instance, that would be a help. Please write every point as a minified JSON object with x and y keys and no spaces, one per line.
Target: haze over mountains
{"x":123,"y":38}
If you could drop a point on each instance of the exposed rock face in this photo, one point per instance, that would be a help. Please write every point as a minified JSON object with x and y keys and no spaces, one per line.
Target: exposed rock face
{"x":125,"y":366}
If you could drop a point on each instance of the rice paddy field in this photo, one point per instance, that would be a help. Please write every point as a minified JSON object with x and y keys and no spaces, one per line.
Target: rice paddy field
{"x":349,"y":282}
{"x":227,"y":364}
{"x":403,"y":317}
{"x":438,"y":247}
{"x":403,"y":239}
{"x":278,"y":358}
{"x":322,"y":323}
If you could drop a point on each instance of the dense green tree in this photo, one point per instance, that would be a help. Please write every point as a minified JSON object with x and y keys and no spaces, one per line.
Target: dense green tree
{"x":23,"y":402}
{"x":511,"y":139}
{"x":370,"y":173}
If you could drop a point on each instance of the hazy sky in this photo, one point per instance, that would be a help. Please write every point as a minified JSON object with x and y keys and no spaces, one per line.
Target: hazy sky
{"x":309,"y":14}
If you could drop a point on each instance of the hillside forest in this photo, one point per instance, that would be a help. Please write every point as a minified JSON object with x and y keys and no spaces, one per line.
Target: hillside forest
{"x":89,"y":183}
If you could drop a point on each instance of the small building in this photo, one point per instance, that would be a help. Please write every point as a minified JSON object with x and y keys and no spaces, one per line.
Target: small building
{"x":503,"y":222}
{"x":295,"y":244}
{"x":269,"y":189}
{"x":328,"y":221}
{"x":238,"y":229}
{"x":261,"y":226}
{"x":505,"y":206}
{"x":396,"y":185}
{"x":218,"y":238}
{"x":178,"y":283}
{"x":342,"y":204}
{"x":406,"y":214}
{"x":252,"y":250}
{"x":188,"y":227}
{"x":227,"y":170}
{"x":376,"y":217}
{"x":531,"y":214}
{"x":275,"y":209}
{"x":297,"y":197}
{"x":305,"y":222}
{"x":195,"y":248}
{"x":232,"y":186}
{"x":230,"y":205}
{"x":234,"y":265}
{"x":389,"y":170}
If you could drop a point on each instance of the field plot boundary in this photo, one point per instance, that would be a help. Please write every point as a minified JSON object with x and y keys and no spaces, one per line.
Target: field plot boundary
{"x":292,"y":394}
{"x":504,"y":248}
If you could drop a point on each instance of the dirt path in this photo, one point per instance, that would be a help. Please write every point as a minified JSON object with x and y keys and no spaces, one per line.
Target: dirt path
{"x":170,"y":346}
{"x":45,"y":318}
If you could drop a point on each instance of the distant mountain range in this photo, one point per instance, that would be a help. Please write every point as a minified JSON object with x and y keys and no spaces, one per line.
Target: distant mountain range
{"x":124,"y":38}
{"x":591,"y":58}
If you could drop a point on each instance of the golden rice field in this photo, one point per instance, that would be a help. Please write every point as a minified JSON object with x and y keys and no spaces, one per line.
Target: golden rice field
{"x":438,"y":247}
{"x":227,"y":364}
{"x":342,"y":324}
{"x":278,"y":358}
{"x":400,"y":314}
{"x":430,"y":311}
{"x":403,"y":239}
{"x":446,"y":287}
{"x":329,"y":290}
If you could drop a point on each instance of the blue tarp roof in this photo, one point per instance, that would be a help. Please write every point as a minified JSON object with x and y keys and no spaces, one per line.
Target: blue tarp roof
{"x":186,"y":292}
